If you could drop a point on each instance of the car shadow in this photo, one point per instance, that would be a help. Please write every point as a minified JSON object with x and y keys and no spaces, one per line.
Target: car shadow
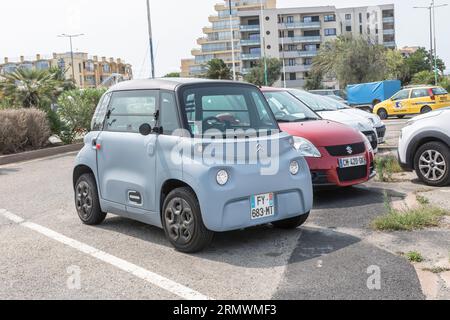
{"x":5,"y":171}
{"x":258,"y":247}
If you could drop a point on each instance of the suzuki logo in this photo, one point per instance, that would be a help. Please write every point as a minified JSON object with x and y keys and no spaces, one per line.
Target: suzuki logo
{"x":349,"y":150}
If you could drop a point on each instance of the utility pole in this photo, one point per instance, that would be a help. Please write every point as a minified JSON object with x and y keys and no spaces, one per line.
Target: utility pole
{"x":150,"y":37}
{"x":70,"y":36}
{"x":284,"y":63}
{"x":435,"y":41}
{"x":266,"y":80}
{"x":233,"y":59}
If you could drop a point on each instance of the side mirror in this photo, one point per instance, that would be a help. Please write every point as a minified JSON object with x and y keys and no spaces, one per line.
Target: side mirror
{"x":145,"y":129}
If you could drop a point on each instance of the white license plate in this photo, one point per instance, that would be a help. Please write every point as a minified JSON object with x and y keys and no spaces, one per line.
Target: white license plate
{"x":262,"y":206}
{"x":352,"y":162}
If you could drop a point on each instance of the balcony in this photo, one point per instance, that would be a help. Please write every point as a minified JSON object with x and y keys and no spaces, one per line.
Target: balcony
{"x":389,"y":32}
{"x":298,"y":54}
{"x":298,"y":68}
{"x":300,"y":25}
{"x":388,"y":20}
{"x":304,"y":39}
{"x":295,"y":84}
{"x":248,"y":28}
{"x":250,"y":56}
{"x":389,"y":44}
{"x":250,"y":42}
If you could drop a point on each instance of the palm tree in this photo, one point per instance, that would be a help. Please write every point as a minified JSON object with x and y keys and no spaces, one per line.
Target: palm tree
{"x":30,"y":87}
{"x":217,"y":69}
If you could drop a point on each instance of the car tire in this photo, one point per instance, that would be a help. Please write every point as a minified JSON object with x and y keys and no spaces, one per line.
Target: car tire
{"x":292,"y":223}
{"x":183,"y":223}
{"x":426,"y":109}
{"x":383,"y":114}
{"x":87,"y":201}
{"x":437,"y":172}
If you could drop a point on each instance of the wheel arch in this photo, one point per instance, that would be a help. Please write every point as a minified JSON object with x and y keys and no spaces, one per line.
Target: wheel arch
{"x":421,"y":139}
{"x":170,"y":185}
{"x":79,"y":170}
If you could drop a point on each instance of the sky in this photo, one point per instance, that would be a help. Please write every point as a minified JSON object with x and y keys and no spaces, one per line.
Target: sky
{"x":117,"y":28}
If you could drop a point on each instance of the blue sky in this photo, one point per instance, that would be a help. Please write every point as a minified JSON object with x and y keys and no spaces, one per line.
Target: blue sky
{"x":118,"y":28}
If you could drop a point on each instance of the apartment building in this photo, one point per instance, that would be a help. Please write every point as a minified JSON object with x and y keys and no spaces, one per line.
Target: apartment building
{"x":294,"y":35}
{"x":88,"y":71}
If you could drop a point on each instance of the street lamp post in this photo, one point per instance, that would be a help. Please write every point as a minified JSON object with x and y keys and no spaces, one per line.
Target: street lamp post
{"x":266,"y":80}
{"x":70,"y":36}
{"x":150,"y":37}
{"x":233,"y":57}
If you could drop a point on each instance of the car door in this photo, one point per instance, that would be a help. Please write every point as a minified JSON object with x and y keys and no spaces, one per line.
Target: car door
{"x":126,"y":159}
{"x":420,"y":98}
{"x":400,"y":103}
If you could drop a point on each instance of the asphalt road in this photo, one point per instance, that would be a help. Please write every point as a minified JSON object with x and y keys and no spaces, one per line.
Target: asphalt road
{"x":394,"y":127}
{"x":330,"y":258}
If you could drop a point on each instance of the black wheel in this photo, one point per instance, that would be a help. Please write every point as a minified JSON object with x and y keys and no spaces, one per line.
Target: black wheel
{"x":432,"y":164}
{"x":183,"y":223}
{"x":292,"y":223}
{"x":382,"y":113}
{"x":87,"y":201}
{"x":426,"y":109}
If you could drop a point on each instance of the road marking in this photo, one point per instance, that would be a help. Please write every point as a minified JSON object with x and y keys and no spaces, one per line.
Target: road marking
{"x":151,"y":277}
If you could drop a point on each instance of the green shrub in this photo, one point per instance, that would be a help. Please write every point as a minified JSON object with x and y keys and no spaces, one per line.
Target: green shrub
{"x":414,"y":256}
{"x":386,"y":167}
{"x":23,"y":129}
{"x":76,"y":109}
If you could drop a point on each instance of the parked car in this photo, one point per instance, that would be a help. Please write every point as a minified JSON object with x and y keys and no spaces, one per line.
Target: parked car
{"x":424,"y":146}
{"x":323,"y":108}
{"x":366,"y":96}
{"x":335,"y":93}
{"x":412,"y":101}
{"x":337,"y":154}
{"x":146,"y":159}
{"x":379,"y":126}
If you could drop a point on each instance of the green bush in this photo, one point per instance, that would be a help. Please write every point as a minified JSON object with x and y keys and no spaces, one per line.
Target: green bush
{"x":76,"y":109}
{"x":22,"y":130}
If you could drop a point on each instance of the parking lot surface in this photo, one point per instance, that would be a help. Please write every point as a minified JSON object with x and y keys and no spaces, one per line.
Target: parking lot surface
{"x":43,"y":245}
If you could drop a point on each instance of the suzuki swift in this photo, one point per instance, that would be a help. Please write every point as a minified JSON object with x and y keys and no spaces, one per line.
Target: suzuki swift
{"x":193,"y":157}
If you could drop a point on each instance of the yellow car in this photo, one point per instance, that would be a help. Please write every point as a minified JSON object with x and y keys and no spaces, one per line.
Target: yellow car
{"x":413,"y":101}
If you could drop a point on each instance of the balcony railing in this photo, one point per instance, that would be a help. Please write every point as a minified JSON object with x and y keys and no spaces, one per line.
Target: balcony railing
{"x":389,"y":20}
{"x":388,"y":31}
{"x":250,"y":56}
{"x":389,"y":44}
{"x":300,"y":25}
{"x":244,"y":28}
{"x":298,"y":68}
{"x":295,"y":84}
{"x":298,"y":54}
{"x":250,"y":42}
{"x":304,"y":39}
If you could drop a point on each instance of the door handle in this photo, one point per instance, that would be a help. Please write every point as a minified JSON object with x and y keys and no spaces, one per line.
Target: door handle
{"x":151,"y":145}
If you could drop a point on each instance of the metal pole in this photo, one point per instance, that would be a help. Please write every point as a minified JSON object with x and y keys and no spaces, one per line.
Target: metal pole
{"x":72,"y":59}
{"x":435,"y":47}
{"x":150,"y":37}
{"x":233,"y":59}
{"x":266,"y":80}
{"x":284,"y":63}
{"x":431,"y":40}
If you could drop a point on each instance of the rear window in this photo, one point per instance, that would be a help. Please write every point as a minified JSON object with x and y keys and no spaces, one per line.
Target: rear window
{"x":225,"y":108}
{"x":439,"y":91}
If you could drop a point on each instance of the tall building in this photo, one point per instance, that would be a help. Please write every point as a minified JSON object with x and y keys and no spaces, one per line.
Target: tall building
{"x":293,"y":35}
{"x":89,"y":72}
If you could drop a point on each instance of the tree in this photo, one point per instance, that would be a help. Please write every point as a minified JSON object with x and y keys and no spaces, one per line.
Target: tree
{"x":76,"y":109}
{"x":421,"y":61}
{"x":172,"y":75}
{"x":217,"y":69}
{"x":314,"y":81}
{"x":351,"y":60}
{"x":257,"y":73}
{"x":396,"y":67}
{"x":30,"y":88}
{"x":423,"y":77}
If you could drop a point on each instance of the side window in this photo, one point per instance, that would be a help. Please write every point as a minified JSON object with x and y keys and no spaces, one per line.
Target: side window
{"x":100,"y":113}
{"x":419,"y":93}
{"x":168,"y":113}
{"x":402,"y":95}
{"x":130,"y":109}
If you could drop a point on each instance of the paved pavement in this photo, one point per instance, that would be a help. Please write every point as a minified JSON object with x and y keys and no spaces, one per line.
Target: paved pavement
{"x":394,"y":127}
{"x":332,"y":257}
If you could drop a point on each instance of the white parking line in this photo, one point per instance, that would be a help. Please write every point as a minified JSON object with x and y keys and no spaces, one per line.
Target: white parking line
{"x":151,"y":277}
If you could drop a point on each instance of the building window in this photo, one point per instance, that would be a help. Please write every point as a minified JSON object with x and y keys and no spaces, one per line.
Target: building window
{"x":292,"y":76}
{"x":290,"y":19}
{"x":291,"y":34}
{"x":106,"y":68}
{"x":42,"y":65}
{"x":360,"y":18}
{"x":348,"y":16}
{"x":291,"y":62}
{"x":329,"y":18}
{"x":330,"y":32}
{"x":348,"y":28}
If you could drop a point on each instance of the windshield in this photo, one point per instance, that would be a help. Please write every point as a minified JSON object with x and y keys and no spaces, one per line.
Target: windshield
{"x":225,"y":108}
{"x":289,"y":109}
{"x":316,"y":103}
{"x":335,"y":103}
{"x":439,"y":91}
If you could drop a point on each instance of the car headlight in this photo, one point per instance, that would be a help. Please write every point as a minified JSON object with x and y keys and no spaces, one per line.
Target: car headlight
{"x":222,"y":177}
{"x":367,"y":143}
{"x":306,"y":148}
{"x":294,"y":168}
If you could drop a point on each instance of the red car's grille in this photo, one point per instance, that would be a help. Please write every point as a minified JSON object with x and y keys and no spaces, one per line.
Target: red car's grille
{"x":343,"y":151}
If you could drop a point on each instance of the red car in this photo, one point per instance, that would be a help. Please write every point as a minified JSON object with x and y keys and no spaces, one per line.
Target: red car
{"x":338,"y":155}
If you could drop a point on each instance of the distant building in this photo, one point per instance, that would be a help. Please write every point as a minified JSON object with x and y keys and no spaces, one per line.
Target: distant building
{"x":90,"y":72}
{"x":292,"y":34}
{"x":408,"y":51}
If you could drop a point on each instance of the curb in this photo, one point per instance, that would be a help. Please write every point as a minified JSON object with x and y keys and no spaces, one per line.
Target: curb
{"x":38,"y":154}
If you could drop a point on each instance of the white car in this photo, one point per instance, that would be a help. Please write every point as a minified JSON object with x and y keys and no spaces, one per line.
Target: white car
{"x":379,"y":126}
{"x":326,"y":111}
{"x":424,"y":146}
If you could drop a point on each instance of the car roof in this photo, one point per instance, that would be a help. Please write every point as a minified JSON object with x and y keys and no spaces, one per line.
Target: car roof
{"x":164,"y":83}
{"x":269,"y":89}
